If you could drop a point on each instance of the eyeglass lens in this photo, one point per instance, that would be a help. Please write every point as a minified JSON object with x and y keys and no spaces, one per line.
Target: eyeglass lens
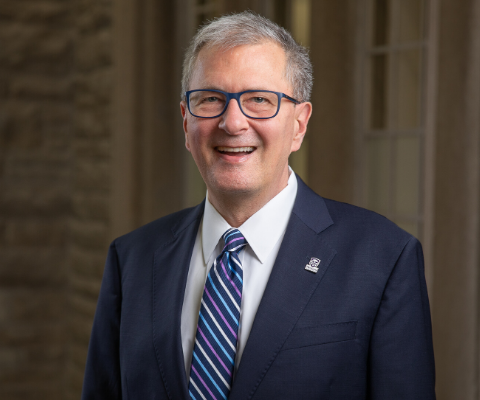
{"x":205,"y":103}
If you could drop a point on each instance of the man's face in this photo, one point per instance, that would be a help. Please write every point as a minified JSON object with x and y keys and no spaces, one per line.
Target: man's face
{"x":236,"y":154}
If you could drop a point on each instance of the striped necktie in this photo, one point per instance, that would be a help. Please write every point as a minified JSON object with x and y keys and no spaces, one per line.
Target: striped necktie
{"x":215,"y":347}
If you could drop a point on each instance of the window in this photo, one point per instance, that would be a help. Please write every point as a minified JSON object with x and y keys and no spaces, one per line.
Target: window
{"x":391,"y":123}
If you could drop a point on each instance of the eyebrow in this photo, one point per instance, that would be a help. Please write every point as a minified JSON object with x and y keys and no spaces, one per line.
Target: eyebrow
{"x":211,"y":88}
{"x":217,"y":88}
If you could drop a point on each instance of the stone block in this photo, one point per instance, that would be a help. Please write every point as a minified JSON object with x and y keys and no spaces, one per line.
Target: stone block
{"x":77,"y":356}
{"x":35,"y":48}
{"x":33,"y":87}
{"x":21,"y":127}
{"x":98,"y":147}
{"x":79,"y":330}
{"x":37,"y":12}
{"x":92,"y":122}
{"x":28,"y":232}
{"x":20,"y":305}
{"x":84,"y":291}
{"x":74,"y":376}
{"x":74,"y":380}
{"x":94,"y":89}
{"x":2,"y":231}
{"x":57,"y":126}
{"x":29,"y":124}
{"x":4,"y":79}
{"x":93,"y":50}
{"x":17,"y":40}
{"x":58,"y":138}
{"x":87,"y":263}
{"x":29,"y":267}
{"x":88,"y":234}
{"x":22,"y":334}
{"x":18,"y":198}
{"x":31,"y":166}
{"x":93,"y":15}
{"x":92,"y":174}
{"x":91,"y":206}
{"x":79,"y":304}
{"x":12,"y":356}
{"x":38,"y":391}
{"x":34,"y":364}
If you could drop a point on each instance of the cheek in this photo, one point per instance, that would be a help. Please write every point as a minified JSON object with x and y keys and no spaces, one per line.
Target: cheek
{"x":199,"y":140}
{"x":279,"y":141}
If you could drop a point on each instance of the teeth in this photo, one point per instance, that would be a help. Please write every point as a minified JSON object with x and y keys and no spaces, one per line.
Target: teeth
{"x":236,"y":149}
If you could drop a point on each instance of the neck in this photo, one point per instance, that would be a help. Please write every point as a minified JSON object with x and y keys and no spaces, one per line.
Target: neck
{"x":234,"y":210}
{"x":237,"y":207}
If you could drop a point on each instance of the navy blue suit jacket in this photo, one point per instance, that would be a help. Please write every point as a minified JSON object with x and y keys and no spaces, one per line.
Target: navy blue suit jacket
{"x":359,"y":328}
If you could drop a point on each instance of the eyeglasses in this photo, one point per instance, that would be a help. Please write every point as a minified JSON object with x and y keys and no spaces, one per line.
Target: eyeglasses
{"x":256,"y":104}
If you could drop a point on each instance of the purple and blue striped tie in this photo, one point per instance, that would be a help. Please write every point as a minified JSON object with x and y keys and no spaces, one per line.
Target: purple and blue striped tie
{"x":213,"y":356}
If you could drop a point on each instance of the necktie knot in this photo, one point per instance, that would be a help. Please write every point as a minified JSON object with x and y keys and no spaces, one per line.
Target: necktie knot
{"x":234,"y":241}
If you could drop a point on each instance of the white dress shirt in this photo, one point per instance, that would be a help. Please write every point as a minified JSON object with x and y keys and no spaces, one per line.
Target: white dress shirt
{"x":264,"y":233}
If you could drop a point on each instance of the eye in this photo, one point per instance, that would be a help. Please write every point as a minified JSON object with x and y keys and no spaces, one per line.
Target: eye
{"x":259,"y":100}
{"x":210,"y":99}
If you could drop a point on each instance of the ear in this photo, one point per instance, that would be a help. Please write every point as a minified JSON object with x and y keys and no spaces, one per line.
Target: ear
{"x":303,"y":113}
{"x":183,"y":110}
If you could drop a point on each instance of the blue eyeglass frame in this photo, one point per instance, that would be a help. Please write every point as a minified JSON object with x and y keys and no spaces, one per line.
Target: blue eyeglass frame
{"x":236,"y":96}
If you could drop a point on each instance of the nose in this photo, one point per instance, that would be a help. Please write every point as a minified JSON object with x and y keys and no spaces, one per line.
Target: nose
{"x":233,"y":121}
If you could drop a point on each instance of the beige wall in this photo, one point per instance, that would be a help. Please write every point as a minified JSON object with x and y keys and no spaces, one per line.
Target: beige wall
{"x":91,"y":146}
{"x":332,"y":126}
{"x":457,"y":187}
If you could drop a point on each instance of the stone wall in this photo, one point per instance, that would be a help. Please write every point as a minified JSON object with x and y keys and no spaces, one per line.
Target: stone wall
{"x":36,"y":65}
{"x":55,"y":93}
{"x":90,"y":179}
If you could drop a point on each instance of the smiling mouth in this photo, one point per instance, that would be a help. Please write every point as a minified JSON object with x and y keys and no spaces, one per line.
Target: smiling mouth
{"x":235,"y":150}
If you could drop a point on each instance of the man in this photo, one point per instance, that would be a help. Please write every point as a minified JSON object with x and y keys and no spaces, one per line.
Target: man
{"x":265,"y":290}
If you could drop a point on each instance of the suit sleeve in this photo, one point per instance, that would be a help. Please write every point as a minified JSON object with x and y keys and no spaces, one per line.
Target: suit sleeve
{"x":102,"y":373}
{"x":401,"y":364}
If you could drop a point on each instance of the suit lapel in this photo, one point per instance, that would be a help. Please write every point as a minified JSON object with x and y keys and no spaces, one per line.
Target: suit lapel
{"x":170,"y":271}
{"x":288,"y":290}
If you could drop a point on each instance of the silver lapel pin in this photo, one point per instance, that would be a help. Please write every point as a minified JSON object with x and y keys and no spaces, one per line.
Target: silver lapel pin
{"x":313,"y":264}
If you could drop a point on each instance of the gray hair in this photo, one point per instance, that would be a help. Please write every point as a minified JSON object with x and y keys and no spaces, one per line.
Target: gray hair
{"x":248,"y":28}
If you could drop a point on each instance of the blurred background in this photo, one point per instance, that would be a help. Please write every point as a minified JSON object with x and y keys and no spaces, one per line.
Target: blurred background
{"x":92,"y":146}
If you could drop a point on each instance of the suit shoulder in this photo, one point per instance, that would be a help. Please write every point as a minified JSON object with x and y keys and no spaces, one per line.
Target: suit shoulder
{"x":161,"y":230}
{"x":365,"y":223}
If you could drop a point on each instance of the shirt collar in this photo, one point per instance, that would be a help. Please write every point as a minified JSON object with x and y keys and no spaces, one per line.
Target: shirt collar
{"x":262,"y":230}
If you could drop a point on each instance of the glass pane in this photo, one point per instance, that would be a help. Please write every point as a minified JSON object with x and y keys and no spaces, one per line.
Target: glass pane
{"x":301,"y":15}
{"x":300,"y":24}
{"x":377,"y":174}
{"x":409,"y":79}
{"x":207,"y":10}
{"x":411,"y":12}
{"x":280,"y":12}
{"x":299,"y":160}
{"x":410,"y":227}
{"x":407,"y":173}
{"x":379,"y":79}
{"x":195,"y":186}
{"x":381,"y":11}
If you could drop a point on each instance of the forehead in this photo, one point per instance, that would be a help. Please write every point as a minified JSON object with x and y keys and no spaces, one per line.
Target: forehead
{"x":258,"y":66}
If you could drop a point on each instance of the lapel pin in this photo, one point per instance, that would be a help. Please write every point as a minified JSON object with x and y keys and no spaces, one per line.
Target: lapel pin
{"x":313,"y":264}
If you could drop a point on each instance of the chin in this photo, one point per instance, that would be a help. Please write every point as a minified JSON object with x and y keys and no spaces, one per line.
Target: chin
{"x":233,"y":185}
